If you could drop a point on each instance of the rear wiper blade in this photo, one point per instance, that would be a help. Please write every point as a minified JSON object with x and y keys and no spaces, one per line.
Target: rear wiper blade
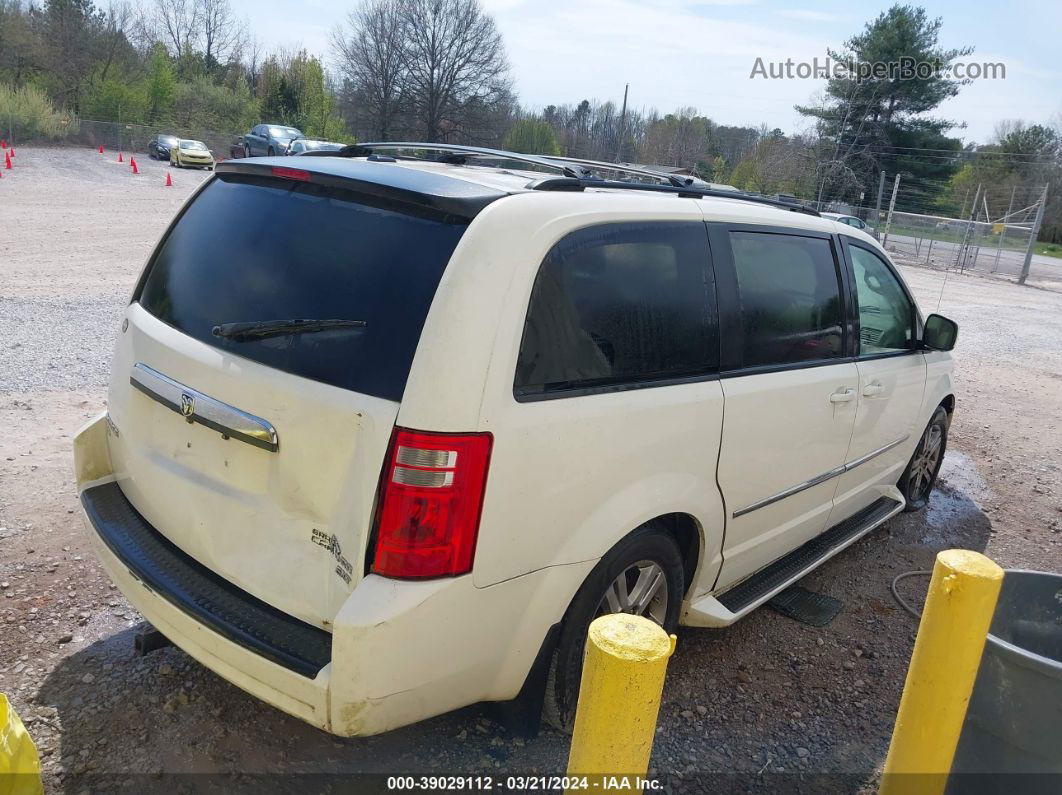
{"x":259,"y":329}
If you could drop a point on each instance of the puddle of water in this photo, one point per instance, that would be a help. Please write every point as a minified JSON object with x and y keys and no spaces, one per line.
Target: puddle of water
{"x":960,"y":489}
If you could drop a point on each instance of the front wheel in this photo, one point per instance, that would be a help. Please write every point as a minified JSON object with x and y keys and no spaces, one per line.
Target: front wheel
{"x":246,"y":150}
{"x":642,"y":576}
{"x":272,"y":151}
{"x":920,"y":477}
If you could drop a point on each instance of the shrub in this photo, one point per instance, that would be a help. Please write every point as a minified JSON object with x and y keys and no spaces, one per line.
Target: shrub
{"x":26,"y":113}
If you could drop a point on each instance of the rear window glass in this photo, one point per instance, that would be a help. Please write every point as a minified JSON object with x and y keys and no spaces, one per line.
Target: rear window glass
{"x":250,"y":249}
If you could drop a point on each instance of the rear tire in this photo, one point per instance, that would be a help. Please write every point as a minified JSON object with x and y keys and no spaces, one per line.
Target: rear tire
{"x":246,"y":150}
{"x":639,"y":558}
{"x":920,"y":477}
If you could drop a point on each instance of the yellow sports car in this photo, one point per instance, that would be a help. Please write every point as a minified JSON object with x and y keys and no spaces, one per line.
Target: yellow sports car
{"x":191,"y":153}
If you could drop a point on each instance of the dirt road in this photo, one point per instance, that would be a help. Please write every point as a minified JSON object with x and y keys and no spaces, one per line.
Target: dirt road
{"x":766,"y":703}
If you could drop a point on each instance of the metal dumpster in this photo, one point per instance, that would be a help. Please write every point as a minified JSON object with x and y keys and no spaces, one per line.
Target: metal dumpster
{"x":1014,"y":721}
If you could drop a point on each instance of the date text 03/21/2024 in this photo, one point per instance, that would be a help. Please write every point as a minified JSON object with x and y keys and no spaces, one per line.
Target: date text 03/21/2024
{"x":606,"y":783}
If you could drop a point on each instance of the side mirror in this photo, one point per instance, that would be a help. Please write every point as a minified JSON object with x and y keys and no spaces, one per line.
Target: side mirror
{"x":940,"y":333}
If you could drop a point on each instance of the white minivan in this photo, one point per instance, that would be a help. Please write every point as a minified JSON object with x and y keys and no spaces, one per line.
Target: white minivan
{"x":385,"y":432}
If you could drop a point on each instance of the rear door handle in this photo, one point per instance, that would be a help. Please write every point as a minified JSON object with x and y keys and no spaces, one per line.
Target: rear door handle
{"x":843,"y":395}
{"x":872,"y":389}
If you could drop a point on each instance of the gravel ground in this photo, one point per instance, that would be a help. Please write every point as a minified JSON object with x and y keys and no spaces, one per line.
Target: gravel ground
{"x":768,"y":704}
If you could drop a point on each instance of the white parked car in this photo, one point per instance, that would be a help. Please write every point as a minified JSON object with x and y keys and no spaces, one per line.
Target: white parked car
{"x":383,"y":436}
{"x":851,"y":220}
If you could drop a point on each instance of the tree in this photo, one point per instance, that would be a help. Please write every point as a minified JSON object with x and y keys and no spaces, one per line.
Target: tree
{"x":161,"y":83}
{"x":532,"y":136}
{"x":371,"y":55}
{"x":20,"y":51}
{"x":178,"y":23}
{"x":866,"y":121}
{"x":220,"y":34}
{"x":453,"y":57}
{"x":681,"y":138}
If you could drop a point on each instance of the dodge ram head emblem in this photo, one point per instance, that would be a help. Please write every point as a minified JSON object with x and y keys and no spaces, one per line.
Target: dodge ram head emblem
{"x":187,"y":404}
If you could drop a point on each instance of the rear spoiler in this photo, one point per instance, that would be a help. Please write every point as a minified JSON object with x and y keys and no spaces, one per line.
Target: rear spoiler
{"x":382,"y":180}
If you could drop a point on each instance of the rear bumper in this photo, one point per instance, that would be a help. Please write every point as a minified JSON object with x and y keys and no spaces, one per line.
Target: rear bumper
{"x":398,"y":652}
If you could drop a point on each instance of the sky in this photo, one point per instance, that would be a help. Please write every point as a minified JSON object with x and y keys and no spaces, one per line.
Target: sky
{"x":701,"y":53}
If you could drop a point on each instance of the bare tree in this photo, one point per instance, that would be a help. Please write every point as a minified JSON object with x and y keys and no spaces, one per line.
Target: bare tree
{"x":219,"y":32}
{"x":178,"y":23}
{"x":370,"y":50}
{"x":454,"y":57}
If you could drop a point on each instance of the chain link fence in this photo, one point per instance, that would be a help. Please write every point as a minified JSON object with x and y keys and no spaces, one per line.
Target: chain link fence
{"x":993,"y":247}
{"x":941,"y":242}
{"x":134,"y":138}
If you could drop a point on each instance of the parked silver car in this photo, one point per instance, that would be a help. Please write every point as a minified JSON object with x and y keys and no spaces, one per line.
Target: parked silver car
{"x":269,"y":139}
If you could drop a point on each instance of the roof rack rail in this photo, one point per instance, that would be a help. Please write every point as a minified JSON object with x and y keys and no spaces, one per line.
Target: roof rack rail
{"x":671,"y":179}
{"x":569,"y":166}
{"x":687,"y":191}
{"x":577,"y":173}
{"x":458,"y":153}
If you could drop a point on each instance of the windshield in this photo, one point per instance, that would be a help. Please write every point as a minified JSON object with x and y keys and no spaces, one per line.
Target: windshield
{"x":169,"y":140}
{"x":283,"y":132}
{"x":250,"y":249}
{"x":323,"y":145}
{"x":193,"y":145}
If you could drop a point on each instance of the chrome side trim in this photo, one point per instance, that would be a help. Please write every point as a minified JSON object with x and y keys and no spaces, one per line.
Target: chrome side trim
{"x":194,"y":406}
{"x":807,"y":484}
{"x":875,"y":453}
{"x":815,"y":481}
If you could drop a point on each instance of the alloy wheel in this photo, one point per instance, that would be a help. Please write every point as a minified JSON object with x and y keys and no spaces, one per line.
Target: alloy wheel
{"x":926,"y":461}
{"x":641,"y":590}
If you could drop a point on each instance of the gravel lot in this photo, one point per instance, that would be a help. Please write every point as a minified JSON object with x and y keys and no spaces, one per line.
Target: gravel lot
{"x":766,"y":705}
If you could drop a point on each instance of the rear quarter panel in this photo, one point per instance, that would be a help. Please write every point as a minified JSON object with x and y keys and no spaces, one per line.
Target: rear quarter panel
{"x":568,"y":477}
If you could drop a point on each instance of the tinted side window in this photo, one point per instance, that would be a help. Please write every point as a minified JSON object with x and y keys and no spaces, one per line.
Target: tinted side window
{"x":790,"y":297}
{"x":886,"y":315}
{"x":620,"y":303}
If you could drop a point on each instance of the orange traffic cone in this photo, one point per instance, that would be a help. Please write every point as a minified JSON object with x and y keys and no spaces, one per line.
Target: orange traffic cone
{"x":11,"y":151}
{"x":101,"y":149}
{"x":169,"y":182}
{"x":132,"y":162}
{"x":3,"y":143}
{"x":120,"y":158}
{"x":7,"y":161}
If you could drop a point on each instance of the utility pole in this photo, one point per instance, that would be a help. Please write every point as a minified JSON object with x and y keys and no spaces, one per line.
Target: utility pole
{"x":623,"y":124}
{"x":1032,"y":238}
{"x":1003,"y":231}
{"x":881,"y":191}
{"x":960,"y":257}
{"x":892,"y":208}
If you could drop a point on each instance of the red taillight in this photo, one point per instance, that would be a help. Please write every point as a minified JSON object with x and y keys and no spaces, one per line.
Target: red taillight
{"x":430,"y":503}
{"x":291,"y":173}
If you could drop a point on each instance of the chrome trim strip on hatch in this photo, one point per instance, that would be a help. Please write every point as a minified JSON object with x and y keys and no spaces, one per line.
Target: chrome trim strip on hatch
{"x":815,"y":481}
{"x":194,"y":406}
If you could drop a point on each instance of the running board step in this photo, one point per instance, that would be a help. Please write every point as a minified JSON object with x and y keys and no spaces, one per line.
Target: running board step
{"x":770,"y":579}
{"x":723,"y":609}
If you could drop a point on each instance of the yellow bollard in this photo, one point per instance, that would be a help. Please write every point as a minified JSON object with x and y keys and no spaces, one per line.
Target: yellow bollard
{"x":619,"y":697}
{"x":20,"y":768}
{"x":947,"y":652}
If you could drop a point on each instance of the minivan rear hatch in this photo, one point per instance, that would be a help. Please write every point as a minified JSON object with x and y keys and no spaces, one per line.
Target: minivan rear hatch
{"x":257,"y":380}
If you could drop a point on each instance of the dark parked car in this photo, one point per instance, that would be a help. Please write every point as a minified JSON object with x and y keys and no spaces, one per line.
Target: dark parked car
{"x":300,"y":145}
{"x":236,"y":148}
{"x":269,"y":139}
{"x":159,"y":146}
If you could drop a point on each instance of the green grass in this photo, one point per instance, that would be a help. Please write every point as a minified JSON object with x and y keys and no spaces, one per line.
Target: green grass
{"x":1049,"y":249}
